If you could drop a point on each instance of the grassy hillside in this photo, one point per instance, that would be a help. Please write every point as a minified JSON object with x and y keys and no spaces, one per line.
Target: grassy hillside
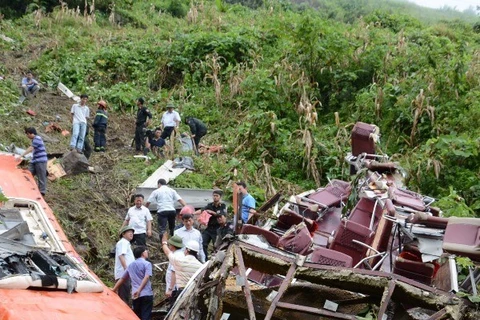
{"x":280,"y":86}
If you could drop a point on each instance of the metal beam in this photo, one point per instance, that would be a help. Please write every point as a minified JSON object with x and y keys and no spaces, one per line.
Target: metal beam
{"x":281,"y":291}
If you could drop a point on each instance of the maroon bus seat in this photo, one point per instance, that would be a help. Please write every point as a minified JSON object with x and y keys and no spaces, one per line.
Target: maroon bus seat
{"x":271,"y":237}
{"x":381,"y":167}
{"x":344,"y":236}
{"x":415,"y":270}
{"x":363,"y":210}
{"x":462,"y":237}
{"x":362,"y":141}
{"x":330,"y":258}
{"x":406,"y":198}
{"x":297,"y":239}
{"x":427,"y":220}
{"x":330,"y":196}
{"x":289,"y":218}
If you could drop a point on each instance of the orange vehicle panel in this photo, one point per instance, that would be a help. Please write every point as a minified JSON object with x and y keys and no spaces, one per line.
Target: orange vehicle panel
{"x":51,"y":304}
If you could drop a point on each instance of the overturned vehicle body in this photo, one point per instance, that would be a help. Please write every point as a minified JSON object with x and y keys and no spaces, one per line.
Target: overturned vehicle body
{"x":41,"y":274}
{"x":367,"y":248}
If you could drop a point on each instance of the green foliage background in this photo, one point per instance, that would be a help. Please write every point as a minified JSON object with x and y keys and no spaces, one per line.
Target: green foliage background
{"x":279,"y":83}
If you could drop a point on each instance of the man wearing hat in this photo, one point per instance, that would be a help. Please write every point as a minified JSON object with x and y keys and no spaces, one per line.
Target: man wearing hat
{"x":185,"y":264}
{"x":175,"y":244}
{"x":100,"y":127}
{"x":170,"y":121}
{"x":143,"y":120}
{"x":123,"y":257}
{"x":214,"y":208}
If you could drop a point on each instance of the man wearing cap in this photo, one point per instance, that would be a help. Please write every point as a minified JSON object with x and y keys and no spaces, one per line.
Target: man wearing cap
{"x":225,"y":228}
{"x":175,"y":244}
{"x":165,"y":199}
{"x":143,"y":120}
{"x":123,"y":258}
{"x":189,"y":233}
{"x":100,"y":127}
{"x":170,"y":121}
{"x":185,"y":265}
{"x":214,"y":208}
{"x":140,"y":219}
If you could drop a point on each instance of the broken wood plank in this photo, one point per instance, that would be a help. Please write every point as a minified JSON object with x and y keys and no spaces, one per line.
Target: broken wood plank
{"x":246,"y":287}
{"x":330,"y":314}
{"x":387,"y":295}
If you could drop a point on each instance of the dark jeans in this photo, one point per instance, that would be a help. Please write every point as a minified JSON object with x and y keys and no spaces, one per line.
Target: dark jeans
{"x":125,"y":292}
{"x":99,"y":138}
{"x":39,"y":169}
{"x":173,"y":298}
{"x":167,"y":131}
{"x":139,"y":239}
{"x":163,"y":218}
{"x":139,"y":137}
{"x":197,"y":138}
{"x":143,"y":306}
{"x":26,"y":92}
{"x":208,"y":235}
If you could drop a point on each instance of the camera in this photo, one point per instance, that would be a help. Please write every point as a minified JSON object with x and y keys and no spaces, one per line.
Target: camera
{"x":149,"y":133}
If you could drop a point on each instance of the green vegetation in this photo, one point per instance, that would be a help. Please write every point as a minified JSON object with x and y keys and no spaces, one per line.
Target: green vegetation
{"x":280,"y":85}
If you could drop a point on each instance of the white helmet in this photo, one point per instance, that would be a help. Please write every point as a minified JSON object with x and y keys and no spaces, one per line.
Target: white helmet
{"x":193,"y":246}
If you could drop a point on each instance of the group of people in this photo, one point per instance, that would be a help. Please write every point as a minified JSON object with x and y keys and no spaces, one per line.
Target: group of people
{"x":185,"y":246}
{"x":154,"y":140}
{"x":80,"y":113}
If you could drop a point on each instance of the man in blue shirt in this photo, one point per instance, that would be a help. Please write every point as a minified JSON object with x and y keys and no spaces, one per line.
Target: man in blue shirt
{"x":139,"y":273}
{"x":38,"y":164}
{"x":248,"y":202}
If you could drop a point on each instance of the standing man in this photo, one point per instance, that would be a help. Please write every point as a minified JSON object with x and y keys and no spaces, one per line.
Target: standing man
{"x":170,"y":121}
{"x":175,"y":244}
{"x":248,"y":202}
{"x":185,"y":264}
{"x":29,"y":86}
{"x":188,"y":234}
{"x":139,"y":218}
{"x":80,"y":113}
{"x":225,"y":228}
{"x":165,"y":199}
{"x":143,"y":120}
{"x":38,"y":164}
{"x":214,"y":208}
{"x":100,"y":127}
{"x":139,"y":273}
{"x":123,"y":258}
{"x":197,"y":128}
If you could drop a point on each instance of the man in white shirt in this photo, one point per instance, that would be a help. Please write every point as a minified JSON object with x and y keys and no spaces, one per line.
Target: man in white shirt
{"x":165,"y":198}
{"x":140,"y":219}
{"x":170,"y":121}
{"x":80,"y":113}
{"x":123,"y":258}
{"x":189,"y":233}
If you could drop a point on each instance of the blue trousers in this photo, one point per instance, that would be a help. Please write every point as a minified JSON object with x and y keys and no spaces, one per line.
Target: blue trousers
{"x":78,"y":135}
